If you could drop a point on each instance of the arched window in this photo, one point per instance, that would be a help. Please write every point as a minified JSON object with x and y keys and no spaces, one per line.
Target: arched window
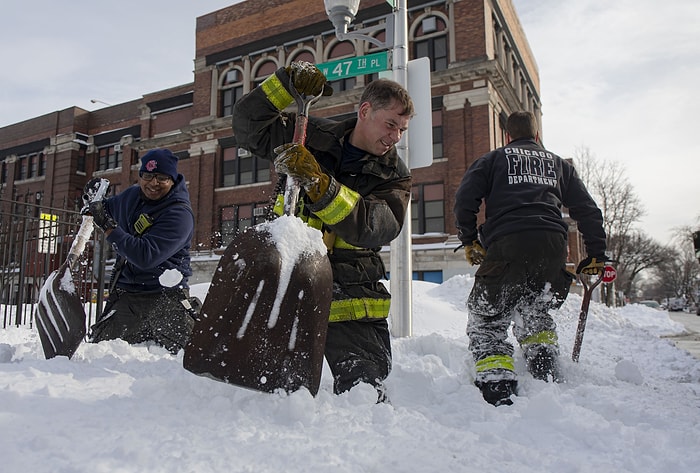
{"x":304,"y":55}
{"x":430,"y":40}
{"x":231,"y":90}
{"x":263,"y":71}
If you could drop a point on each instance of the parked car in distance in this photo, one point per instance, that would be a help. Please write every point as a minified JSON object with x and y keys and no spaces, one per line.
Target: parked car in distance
{"x":652,"y":304}
{"x":676,"y":304}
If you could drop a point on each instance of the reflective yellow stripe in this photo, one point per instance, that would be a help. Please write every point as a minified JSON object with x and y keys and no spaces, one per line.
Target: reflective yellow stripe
{"x":493,"y":362}
{"x":340,"y":207}
{"x":314,"y":222}
{"x":548,"y":337}
{"x":354,"y":309}
{"x":278,"y":209}
{"x":344,"y":245}
{"x":276,"y":92}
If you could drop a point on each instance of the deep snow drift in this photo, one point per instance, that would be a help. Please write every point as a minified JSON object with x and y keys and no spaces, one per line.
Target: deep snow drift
{"x":631,"y":404}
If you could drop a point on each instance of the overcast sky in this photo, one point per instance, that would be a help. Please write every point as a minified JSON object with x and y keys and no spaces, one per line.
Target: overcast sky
{"x":619,"y":78}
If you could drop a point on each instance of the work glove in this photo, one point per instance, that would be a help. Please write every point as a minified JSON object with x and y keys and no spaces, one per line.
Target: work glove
{"x":591,"y":265}
{"x":100,"y":216}
{"x":308,"y":79}
{"x":89,"y":191}
{"x":475,"y":253}
{"x":293,"y":159}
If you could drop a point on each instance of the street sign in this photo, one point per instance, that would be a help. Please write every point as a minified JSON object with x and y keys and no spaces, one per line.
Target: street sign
{"x":355,"y":66}
{"x":48,"y":225}
{"x":609,"y":274}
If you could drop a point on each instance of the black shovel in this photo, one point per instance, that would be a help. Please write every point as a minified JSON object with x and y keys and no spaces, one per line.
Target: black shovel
{"x":60,"y":315}
{"x":261,"y":327}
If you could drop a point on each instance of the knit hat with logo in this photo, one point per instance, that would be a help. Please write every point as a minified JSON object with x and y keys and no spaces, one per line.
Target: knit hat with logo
{"x":160,"y":161}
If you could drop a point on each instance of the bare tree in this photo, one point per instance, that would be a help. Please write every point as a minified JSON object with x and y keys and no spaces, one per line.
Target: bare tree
{"x":641,"y":253}
{"x":621,"y":208}
{"x":679,"y":274}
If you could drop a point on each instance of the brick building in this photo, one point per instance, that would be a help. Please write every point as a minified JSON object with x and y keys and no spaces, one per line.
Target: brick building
{"x":482,"y":69}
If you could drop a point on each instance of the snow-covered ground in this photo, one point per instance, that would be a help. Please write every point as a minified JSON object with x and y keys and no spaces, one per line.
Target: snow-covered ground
{"x":631,"y":404}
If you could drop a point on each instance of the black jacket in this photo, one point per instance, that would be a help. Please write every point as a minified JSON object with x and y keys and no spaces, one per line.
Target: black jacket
{"x":525,"y":187}
{"x":373,"y":220}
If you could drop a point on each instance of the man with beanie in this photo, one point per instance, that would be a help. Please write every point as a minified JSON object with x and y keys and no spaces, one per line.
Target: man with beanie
{"x":522,"y":250}
{"x":150,"y":226}
{"x":355,"y":189}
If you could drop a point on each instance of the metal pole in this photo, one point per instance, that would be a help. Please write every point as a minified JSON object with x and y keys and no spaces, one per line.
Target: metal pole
{"x":401,"y":266}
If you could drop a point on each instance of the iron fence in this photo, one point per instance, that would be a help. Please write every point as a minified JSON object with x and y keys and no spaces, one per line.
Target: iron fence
{"x":34,"y":241}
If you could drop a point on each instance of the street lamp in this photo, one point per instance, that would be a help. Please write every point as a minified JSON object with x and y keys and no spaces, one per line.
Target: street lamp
{"x":342,"y":14}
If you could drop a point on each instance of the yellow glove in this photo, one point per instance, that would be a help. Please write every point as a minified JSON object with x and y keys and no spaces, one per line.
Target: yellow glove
{"x":475,"y":253}
{"x":308,"y":79}
{"x":295,"y":160}
{"x":591,"y":265}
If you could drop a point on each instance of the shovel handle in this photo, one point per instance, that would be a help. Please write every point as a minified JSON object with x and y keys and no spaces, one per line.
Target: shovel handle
{"x":583,"y":315}
{"x":85,"y":230}
{"x":291,"y":191}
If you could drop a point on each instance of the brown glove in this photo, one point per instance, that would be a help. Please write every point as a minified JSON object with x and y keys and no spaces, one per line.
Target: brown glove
{"x":308,"y":79}
{"x":475,"y":253}
{"x":295,"y":160}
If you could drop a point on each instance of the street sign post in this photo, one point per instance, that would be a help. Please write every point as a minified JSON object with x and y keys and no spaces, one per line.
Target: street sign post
{"x":355,"y":66}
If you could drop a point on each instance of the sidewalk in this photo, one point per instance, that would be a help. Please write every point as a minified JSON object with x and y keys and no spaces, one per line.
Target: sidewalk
{"x":690,"y":340}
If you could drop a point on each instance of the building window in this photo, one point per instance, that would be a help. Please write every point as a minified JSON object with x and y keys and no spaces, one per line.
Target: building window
{"x":428,"y":276}
{"x":42,"y":164}
{"x":231,"y":91}
{"x":109,"y":157}
{"x":21,"y":168}
{"x":431,"y":41}
{"x":3,"y":173}
{"x":304,"y":55}
{"x":428,"y":208}
{"x":81,"y":159}
{"x":264,"y":70}
{"x":236,"y":218}
{"x":241,"y":167}
{"x":33,"y":165}
{"x":437,"y":135}
{"x":342,"y":50}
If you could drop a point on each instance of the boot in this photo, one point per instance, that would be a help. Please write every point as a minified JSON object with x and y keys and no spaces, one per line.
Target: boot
{"x":543,"y":365}
{"x":498,"y":392}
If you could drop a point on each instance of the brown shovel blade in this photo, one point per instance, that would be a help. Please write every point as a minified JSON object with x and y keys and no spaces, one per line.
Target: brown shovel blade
{"x":60,"y":316}
{"x":259,"y":328}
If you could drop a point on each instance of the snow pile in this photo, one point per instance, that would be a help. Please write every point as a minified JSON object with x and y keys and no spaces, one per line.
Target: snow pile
{"x":631,"y":404}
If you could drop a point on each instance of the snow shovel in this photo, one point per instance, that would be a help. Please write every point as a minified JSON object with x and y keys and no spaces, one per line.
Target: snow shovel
{"x":60,"y":314}
{"x":583,"y":315}
{"x":609,"y":274}
{"x":264,"y":319}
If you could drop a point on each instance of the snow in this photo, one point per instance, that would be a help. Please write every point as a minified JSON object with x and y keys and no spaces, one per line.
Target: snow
{"x":170,"y":277}
{"x":292,"y":238}
{"x":631,"y":404}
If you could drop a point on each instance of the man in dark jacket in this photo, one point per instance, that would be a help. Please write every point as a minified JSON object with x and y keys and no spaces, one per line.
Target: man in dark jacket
{"x":522,"y":250}
{"x":356,"y":191}
{"x":150,"y":226}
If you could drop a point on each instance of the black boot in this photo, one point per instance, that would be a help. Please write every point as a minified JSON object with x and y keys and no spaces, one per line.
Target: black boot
{"x":498,"y":392}
{"x":543,"y":365}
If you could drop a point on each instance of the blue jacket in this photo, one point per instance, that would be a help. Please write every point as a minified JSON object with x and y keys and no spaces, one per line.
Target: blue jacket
{"x":164,"y":245}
